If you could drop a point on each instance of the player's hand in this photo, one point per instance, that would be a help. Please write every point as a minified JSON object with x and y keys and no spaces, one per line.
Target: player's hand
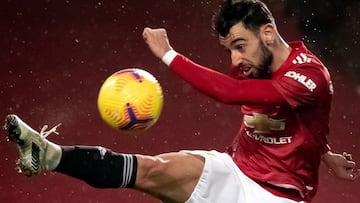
{"x":157,"y":41}
{"x":341,"y":165}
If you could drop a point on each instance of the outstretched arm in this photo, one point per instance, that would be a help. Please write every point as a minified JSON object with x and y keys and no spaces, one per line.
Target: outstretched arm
{"x":341,"y":165}
{"x":215,"y":84}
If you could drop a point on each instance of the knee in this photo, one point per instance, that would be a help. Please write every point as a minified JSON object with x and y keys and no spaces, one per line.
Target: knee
{"x":150,"y":170}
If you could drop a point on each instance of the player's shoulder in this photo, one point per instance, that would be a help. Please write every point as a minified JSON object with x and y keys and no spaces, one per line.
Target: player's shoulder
{"x":305,"y":69}
{"x":301,"y":55}
{"x":307,"y":62}
{"x":303,"y":61}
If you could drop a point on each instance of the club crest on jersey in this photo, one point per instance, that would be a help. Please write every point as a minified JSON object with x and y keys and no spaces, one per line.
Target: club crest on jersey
{"x":302,"y":79}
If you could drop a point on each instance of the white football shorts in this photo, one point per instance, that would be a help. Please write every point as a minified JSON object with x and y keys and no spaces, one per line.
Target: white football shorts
{"x":223,"y":182}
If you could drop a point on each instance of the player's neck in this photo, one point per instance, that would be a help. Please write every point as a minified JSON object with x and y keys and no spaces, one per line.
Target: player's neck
{"x":281,"y":52}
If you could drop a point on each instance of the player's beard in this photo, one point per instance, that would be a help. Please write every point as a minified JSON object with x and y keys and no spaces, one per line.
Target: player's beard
{"x":266,"y":58}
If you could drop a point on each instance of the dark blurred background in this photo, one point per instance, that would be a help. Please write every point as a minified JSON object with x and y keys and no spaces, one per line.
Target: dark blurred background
{"x":55,"y":54}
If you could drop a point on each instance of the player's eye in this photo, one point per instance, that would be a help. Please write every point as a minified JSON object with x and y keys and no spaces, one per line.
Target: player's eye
{"x":239,"y":47}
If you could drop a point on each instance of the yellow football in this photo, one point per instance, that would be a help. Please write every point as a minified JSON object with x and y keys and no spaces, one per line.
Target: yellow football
{"x":130,"y":100}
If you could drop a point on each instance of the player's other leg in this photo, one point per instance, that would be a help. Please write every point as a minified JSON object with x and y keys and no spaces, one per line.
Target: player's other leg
{"x":170,"y":177}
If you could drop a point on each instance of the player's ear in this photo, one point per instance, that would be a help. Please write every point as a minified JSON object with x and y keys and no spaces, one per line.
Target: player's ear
{"x":267,"y":33}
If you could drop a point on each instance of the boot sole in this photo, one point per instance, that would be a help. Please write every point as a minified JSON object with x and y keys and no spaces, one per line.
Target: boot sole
{"x":12,"y":126}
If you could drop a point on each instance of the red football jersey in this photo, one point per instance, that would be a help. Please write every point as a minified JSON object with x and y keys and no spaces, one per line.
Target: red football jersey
{"x":285,"y":119}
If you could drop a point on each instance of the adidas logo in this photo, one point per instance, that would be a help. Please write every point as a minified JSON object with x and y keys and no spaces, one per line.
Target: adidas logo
{"x":302,"y":58}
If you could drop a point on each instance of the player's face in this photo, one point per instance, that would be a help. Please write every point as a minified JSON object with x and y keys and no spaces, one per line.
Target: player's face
{"x":248,"y":52}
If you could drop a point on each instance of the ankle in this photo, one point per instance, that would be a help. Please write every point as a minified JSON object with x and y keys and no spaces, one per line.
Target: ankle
{"x":52,"y":156}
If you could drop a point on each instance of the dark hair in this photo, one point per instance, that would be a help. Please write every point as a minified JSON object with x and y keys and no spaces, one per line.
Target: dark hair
{"x":252,"y":13}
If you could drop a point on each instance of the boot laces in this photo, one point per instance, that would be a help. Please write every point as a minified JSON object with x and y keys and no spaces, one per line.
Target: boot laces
{"x":44,"y":132}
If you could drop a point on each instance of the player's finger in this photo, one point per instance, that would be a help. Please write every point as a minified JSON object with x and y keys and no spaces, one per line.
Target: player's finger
{"x":347,"y":156}
{"x":347,"y":175}
{"x":144,"y":34}
{"x":350,"y":165}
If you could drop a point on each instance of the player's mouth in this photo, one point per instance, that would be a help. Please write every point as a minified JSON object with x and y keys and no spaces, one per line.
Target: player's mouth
{"x":247,"y":70}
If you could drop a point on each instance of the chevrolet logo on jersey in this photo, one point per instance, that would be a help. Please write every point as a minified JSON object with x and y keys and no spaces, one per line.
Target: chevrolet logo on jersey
{"x":262,"y":124}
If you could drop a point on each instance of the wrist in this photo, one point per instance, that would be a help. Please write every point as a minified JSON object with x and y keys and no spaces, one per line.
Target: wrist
{"x":327,"y":151}
{"x":327,"y":154}
{"x":169,"y":57}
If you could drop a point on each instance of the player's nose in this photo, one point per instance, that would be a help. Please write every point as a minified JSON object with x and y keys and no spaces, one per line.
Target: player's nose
{"x":236,"y":58}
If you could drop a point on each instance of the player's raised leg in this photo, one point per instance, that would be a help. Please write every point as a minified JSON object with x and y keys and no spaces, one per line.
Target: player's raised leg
{"x":170,"y":177}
